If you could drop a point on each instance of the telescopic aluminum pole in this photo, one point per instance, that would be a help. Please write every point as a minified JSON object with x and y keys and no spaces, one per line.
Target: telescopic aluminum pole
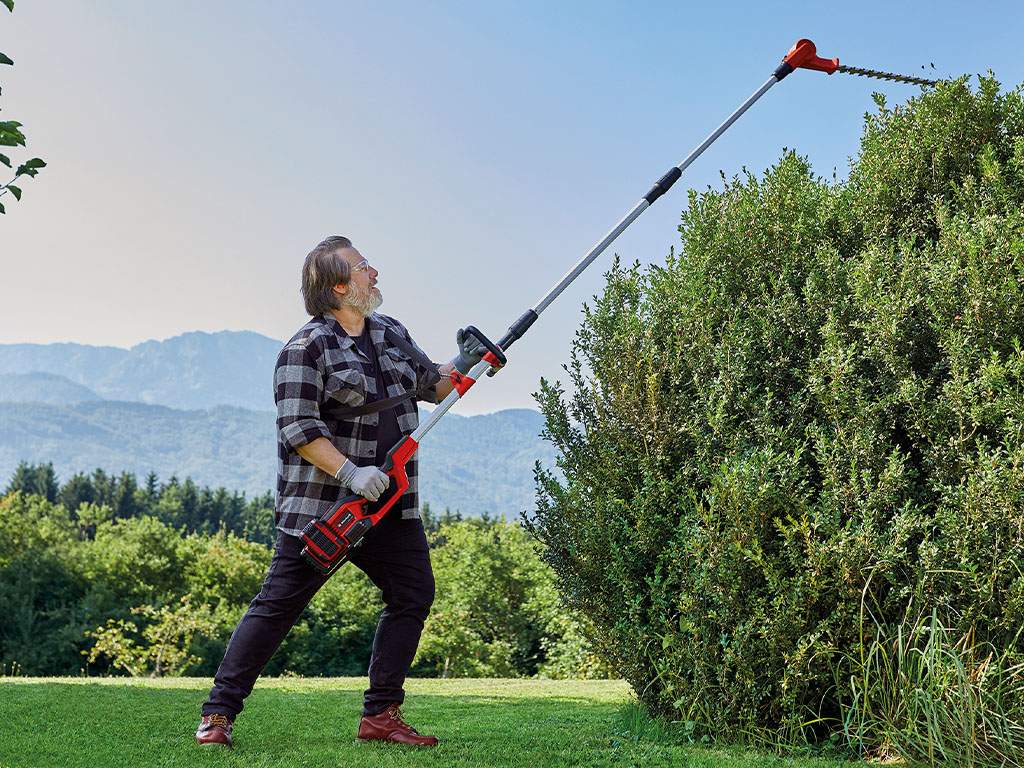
{"x":328,"y":539}
{"x":798,"y":56}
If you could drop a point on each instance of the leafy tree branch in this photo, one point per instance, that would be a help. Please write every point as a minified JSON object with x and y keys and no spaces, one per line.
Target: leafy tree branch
{"x":11,"y":135}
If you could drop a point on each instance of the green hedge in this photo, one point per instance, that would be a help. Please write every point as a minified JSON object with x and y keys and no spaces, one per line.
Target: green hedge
{"x":806,"y":425}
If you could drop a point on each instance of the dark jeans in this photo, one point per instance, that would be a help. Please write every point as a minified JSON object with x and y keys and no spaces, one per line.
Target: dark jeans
{"x":394,"y":555}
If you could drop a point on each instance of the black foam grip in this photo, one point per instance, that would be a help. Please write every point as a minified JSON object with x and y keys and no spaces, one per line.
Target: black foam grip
{"x":663,"y":185}
{"x":518,"y":328}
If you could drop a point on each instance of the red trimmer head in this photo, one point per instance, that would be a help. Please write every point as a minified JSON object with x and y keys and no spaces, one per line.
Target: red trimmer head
{"x":804,"y":55}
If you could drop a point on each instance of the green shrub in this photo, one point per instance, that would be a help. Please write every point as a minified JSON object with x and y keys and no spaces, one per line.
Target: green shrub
{"x":41,"y":588}
{"x":85,"y":591}
{"x":160,"y":647}
{"x":492,"y":606}
{"x":826,"y":383}
{"x":224,"y":568}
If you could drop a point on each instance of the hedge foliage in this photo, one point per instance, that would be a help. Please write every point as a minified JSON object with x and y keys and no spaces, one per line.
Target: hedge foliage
{"x":806,"y":424}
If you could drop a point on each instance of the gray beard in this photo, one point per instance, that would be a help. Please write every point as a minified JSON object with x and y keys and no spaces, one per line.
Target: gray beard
{"x":364,"y":302}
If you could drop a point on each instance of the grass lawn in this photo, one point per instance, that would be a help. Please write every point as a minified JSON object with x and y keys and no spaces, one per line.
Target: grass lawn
{"x":99,"y":722}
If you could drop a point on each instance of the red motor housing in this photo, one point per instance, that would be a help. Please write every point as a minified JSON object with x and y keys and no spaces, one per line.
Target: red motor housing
{"x":804,"y":54}
{"x":329,"y":539}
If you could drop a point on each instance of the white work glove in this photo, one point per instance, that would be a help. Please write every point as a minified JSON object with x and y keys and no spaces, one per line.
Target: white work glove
{"x":368,"y":482}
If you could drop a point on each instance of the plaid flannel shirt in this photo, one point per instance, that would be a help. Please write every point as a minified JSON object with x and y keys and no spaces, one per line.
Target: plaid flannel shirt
{"x":321,"y":369}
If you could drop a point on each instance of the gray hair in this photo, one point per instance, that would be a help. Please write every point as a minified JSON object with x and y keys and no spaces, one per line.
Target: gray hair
{"x":323,"y":269}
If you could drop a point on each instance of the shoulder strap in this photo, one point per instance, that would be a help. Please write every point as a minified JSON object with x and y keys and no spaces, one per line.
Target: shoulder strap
{"x":421,"y":360}
{"x":372,"y":407}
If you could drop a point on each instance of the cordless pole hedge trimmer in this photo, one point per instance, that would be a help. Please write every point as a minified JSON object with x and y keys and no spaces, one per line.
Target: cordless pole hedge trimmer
{"x":329,"y":538}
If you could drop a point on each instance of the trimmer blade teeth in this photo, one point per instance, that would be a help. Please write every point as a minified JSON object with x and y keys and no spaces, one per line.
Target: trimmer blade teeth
{"x":884,"y":75}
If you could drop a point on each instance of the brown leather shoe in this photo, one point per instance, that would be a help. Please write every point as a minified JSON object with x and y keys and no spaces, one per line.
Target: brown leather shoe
{"x":214,"y":729}
{"x":389,"y":726}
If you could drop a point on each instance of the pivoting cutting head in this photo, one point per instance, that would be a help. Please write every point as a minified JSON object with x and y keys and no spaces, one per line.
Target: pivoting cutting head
{"x":804,"y":55}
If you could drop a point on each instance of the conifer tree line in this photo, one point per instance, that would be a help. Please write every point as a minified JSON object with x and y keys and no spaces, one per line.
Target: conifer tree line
{"x":181,"y":504}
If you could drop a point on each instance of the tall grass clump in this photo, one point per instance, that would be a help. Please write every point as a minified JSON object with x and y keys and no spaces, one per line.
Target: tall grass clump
{"x":816,"y":404}
{"x":924,"y":692}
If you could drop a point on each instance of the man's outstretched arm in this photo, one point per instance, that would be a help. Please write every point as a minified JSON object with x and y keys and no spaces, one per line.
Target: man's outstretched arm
{"x":470,"y":352}
{"x":322,"y":454}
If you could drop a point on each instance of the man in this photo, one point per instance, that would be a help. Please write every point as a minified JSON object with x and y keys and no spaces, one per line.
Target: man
{"x":331,"y":441}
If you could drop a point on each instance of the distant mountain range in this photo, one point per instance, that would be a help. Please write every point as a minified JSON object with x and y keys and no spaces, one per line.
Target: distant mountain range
{"x":43,"y":388}
{"x":201,"y":405}
{"x":194,"y":370}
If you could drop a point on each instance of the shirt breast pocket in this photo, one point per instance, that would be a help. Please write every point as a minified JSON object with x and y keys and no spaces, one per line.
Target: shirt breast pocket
{"x":403,"y":368}
{"x":345,"y":387}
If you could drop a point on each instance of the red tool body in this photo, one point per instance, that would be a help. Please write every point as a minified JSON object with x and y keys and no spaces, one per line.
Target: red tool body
{"x":329,"y":539}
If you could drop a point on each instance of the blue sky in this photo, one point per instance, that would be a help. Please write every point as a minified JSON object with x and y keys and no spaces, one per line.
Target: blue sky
{"x":473,"y":152}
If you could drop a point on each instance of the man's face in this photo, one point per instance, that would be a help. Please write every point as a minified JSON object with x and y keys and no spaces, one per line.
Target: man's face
{"x":361,"y":293}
